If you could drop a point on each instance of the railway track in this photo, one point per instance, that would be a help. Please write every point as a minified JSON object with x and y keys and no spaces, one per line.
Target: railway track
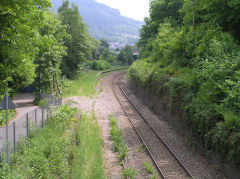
{"x":165,"y":160}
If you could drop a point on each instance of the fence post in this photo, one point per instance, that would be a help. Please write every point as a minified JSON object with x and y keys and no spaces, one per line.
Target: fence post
{"x":35,"y":116}
{"x":47,"y":115}
{"x":14,"y":138}
{"x":42,"y":116}
{"x":27,"y":124}
{"x":7,"y":126}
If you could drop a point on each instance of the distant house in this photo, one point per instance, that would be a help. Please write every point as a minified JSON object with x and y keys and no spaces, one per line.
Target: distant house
{"x":135,"y":54}
{"x":116,"y":45}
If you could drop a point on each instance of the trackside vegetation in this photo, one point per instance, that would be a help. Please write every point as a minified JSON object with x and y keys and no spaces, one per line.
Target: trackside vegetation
{"x":57,"y":151}
{"x":88,"y":162}
{"x":190,"y":58}
{"x":116,"y":134}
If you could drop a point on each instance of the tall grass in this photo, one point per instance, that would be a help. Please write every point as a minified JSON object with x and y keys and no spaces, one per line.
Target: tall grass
{"x":88,"y":163}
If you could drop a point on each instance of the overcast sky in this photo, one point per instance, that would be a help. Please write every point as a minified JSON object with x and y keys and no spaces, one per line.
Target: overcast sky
{"x":135,"y":9}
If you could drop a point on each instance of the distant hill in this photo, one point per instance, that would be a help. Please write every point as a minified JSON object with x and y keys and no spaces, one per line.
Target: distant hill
{"x":106,"y":22}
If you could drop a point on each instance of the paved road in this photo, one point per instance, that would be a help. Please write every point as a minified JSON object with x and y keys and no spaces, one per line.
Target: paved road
{"x":24,"y":104}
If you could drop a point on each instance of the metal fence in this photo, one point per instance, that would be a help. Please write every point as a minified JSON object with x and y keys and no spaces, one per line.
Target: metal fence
{"x":21,"y":127}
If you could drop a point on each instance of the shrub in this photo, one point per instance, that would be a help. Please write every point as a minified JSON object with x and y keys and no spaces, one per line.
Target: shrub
{"x":99,"y":64}
{"x":196,"y":72}
{"x":47,"y":154}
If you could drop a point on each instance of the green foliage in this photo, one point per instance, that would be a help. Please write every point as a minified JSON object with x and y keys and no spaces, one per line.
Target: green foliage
{"x":107,"y":56}
{"x":88,"y":162}
{"x":126,"y":55}
{"x":51,"y":51}
{"x":20,"y":21}
{"x":84,"y":85}
{"x":220,"y":13}
{"x":116,"y":134}
{"x":81,"y":45}
{"x":160,"y":11}
{"x":33,"y":42}
{"x":129,"y":173}
{"x":195,"y":69}
{"x":47,"y":154}
{"x":104,"y":43}
{"x":148,"y":167}
{"x":11,"y":114}
{"x":99,"y":64}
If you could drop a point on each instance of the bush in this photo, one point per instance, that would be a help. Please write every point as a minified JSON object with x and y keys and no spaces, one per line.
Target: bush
{"x":47,"y":154}
{"x":196,"y":72}
{"x":11,"y":114}
{"x":99,"y":64}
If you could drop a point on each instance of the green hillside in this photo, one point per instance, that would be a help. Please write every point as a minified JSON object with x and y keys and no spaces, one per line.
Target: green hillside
{"x":105,"y":22}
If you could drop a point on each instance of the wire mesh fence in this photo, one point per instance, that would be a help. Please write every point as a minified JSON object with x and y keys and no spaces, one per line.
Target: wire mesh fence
{"x":23,"y":126}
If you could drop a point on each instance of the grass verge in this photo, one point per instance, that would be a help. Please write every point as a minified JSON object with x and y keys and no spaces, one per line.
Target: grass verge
{"x":88,"y":163}
{"x":85,"y":85}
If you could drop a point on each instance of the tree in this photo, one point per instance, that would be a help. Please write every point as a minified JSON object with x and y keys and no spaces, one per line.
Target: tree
{"x":104,"y":43}
{"x":51,"y":52}
{"x":126,"y":55}
{"x":122,"y":57}
{"x":79,"y":46}
{"x":160,"y":11}
{"x":20,"y":21}
{"x":129,"y":54}
{"x":219,"y":13}
{"x":108,"y":56}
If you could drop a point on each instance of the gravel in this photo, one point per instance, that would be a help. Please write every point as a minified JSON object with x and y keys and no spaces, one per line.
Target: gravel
{"x":198,"y":166}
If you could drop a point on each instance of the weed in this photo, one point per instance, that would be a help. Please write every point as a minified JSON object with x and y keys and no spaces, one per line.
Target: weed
{"x":190,"y":142}
{"x":151,"y":106}
{"x":153,"y":176}
{"x":141,"y":147}
{"x":101,"y":88}
{"x":148,"y":167}
{"x":129,"y":172}
{"x":116,"y":134}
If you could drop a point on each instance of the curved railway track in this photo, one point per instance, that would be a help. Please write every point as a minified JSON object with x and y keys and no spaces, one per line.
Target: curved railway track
{"x":165,"y":160}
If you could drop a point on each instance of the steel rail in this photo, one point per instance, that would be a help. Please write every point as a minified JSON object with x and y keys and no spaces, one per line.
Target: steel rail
{"x":160,"y":138}
{"x":138,"y":133}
